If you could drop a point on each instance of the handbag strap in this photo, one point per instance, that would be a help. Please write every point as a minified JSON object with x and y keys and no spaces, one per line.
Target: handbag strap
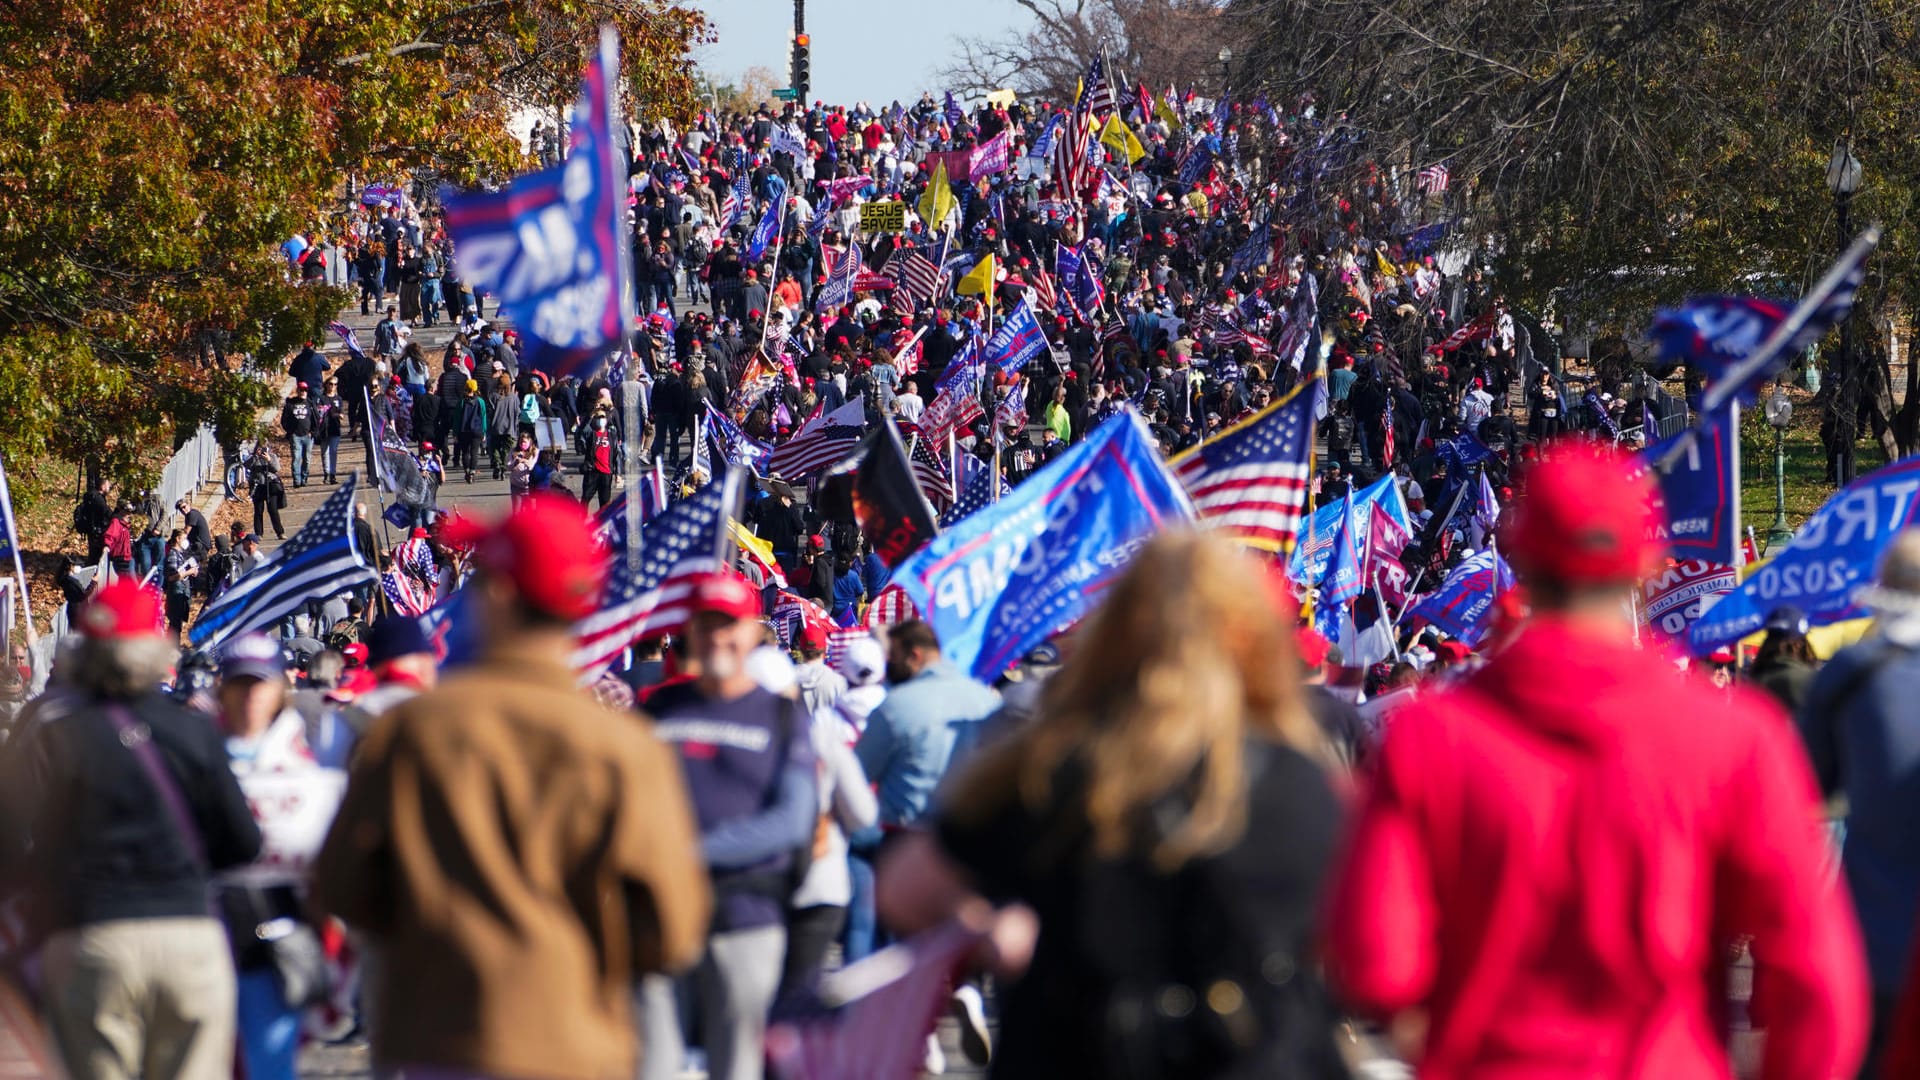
{"x":137,"y":737}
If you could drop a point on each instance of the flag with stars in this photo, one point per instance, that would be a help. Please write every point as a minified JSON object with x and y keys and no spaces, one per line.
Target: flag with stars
{"x":1098,"y":96}
{"x":687,"y":541}
{"x":739,"y":197}
{"x":821,"y":441}
{"x":979,"y":485}
{"x":612,"y":518}
{"x":736,"y":446}
{"x":320,"y":561}
{"x":1251,"y":479}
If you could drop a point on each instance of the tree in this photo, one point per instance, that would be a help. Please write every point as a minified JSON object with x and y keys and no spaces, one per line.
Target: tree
{"x":1628,"y":153}
{"x":756,"y":88}
{"x":1160,"y":42}
{"x":151,"y":163}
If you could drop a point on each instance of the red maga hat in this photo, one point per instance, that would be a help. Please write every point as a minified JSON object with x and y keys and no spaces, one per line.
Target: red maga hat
{"x":547,"y":549}
{"x":1584,"y":517}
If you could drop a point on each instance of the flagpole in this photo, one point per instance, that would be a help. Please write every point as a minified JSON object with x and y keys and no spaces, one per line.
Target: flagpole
{"x":13,"y":545}
{"x":779,"y":241}
{"x":1380,"y":600}
{"x":953,"y":459}
{"x":994,"y":487}
{"x":630,"y":411}
{"x":373,"y":450}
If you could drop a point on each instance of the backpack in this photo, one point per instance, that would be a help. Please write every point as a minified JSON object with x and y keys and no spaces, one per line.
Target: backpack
{"x":80,"y":517}
{"x":345,"y":632}
{"x":697,"y":254}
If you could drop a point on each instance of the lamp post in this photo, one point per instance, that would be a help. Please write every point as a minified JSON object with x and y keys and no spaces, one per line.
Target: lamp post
{"x":1225,"y":56}
{"x":1843,"y":179}
{"x":1779,"y":413}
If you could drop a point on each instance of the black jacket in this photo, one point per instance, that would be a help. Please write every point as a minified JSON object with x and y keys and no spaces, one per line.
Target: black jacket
{"x":104,"y":845}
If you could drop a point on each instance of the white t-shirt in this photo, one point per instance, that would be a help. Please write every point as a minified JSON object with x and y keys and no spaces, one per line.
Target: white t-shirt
{"x":909,"y":406}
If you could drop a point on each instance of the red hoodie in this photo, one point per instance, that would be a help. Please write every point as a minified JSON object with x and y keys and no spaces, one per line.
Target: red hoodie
{"x":1551,"y":860}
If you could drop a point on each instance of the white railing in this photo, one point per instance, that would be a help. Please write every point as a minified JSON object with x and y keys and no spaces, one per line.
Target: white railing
{"x":196,"y":460}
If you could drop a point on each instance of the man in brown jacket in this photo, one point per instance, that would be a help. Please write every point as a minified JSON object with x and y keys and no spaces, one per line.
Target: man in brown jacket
{"x":518,"y":854}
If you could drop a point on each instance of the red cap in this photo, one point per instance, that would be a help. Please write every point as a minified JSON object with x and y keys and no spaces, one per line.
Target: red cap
{"x":813,"y":636}
{"x":121,"y":609}
{"x":727,"y":593}
{"x":1584,"y":518}
{"x":547,"y":548}
{"x":1312,"y":645}
{"x":418,"y":533}
{"x":1452,"y":652}
{"x":355,"y":654}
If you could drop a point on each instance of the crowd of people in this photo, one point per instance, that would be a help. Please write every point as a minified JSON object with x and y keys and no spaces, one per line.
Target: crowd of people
{"x":1190,"y":840}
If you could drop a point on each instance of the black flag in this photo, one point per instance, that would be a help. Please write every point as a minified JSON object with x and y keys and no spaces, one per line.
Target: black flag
{"x":876,"y":488}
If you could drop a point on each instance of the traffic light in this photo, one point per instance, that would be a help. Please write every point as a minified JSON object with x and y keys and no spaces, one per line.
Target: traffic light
{"x":800,"y":77}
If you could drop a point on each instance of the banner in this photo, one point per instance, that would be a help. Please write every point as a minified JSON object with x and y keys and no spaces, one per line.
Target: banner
{"x":1461,"y":604}
{"x":1021,"y":570}
{"x":876,"y":487}
{"x":883,"y":217}
{"x":1673,"y":600}
{"x":1308,"y":563}
{"x":1833,"y":556}
{"x":555,"y":246}
{"x":1699,"y":486}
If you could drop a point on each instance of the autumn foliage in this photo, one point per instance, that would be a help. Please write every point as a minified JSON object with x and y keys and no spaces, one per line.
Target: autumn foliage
{"x":154,"y":154}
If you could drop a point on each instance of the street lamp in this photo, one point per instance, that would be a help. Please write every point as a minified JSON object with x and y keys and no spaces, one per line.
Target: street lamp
{"x":1843,"y":179}
{"x":1225,"y":56}
{"x":1779,"y":412}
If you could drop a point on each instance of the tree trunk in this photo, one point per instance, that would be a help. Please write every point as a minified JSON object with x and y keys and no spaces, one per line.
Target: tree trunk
{"x":1870,"y":351}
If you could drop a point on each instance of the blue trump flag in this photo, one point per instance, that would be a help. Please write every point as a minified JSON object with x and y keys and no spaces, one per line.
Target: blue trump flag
{"x":1018,"y":339}
{"x":1021,"y":570}
{"x":1341,"y":584}
{"x":769,"y":227}
{"x":1461,"y":603}
{"x":1831,"y":558}
{"x":555,"y":246}
{"x":1308,"y":563}
{"x":1699,"y":479}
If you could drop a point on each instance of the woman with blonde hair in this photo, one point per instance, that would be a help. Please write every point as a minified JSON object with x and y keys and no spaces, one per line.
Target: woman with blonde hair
{"x":1147,"y":855}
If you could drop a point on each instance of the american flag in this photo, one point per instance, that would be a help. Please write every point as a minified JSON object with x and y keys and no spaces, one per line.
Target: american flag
{"x":1432,"y":179}
{"x":319,"y":562}
{"x":739,"y":198}
{"x":928,"y":469}
{"x":820,"y":442}
{"x":1071,"y":154}
{"x":954,"y":408}
{"x":1045,"y":296}
{"x":890,"y":607}
{"x":917,"y":275}
{"x":1252,"y":478}
{"x":1114,"y":329}
{"x":1474,"y":330}
{"x":1386,"y":438}
{"x":791,"y":612}
{"x":702,"y":452}
{"x":689,"y":540}
{"x":612,"y":518}
{"x":978,"y":484}
{"x":886,"y":1005}
{"x":1012,"y":412}
{"x":839,"y":638}
{"x":1098,"y":95}
{"x":408,"y":594}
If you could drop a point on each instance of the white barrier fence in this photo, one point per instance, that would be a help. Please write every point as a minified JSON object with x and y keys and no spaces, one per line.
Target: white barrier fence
{"x":195,"y":461}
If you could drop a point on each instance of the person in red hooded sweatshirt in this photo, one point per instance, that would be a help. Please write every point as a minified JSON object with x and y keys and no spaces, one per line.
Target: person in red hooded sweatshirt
{"x":1553,"y":854}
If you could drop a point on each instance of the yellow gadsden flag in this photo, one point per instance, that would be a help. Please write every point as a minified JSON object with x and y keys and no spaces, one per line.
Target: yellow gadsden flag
{"x":1166,"y":114}
{"x":937,"y":201}
{"x":1121,"y":138}
{"x":979,"y":280}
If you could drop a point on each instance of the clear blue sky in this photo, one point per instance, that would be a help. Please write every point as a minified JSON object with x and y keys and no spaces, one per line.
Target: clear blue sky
{"x":862,"y":50}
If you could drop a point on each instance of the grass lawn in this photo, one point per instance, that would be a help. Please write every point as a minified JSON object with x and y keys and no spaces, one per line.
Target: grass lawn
{"x":1806,"y":466}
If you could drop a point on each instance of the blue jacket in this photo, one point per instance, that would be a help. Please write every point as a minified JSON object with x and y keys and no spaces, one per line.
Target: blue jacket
{"x":915,"y":734}
{"x":1863,"y":739}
